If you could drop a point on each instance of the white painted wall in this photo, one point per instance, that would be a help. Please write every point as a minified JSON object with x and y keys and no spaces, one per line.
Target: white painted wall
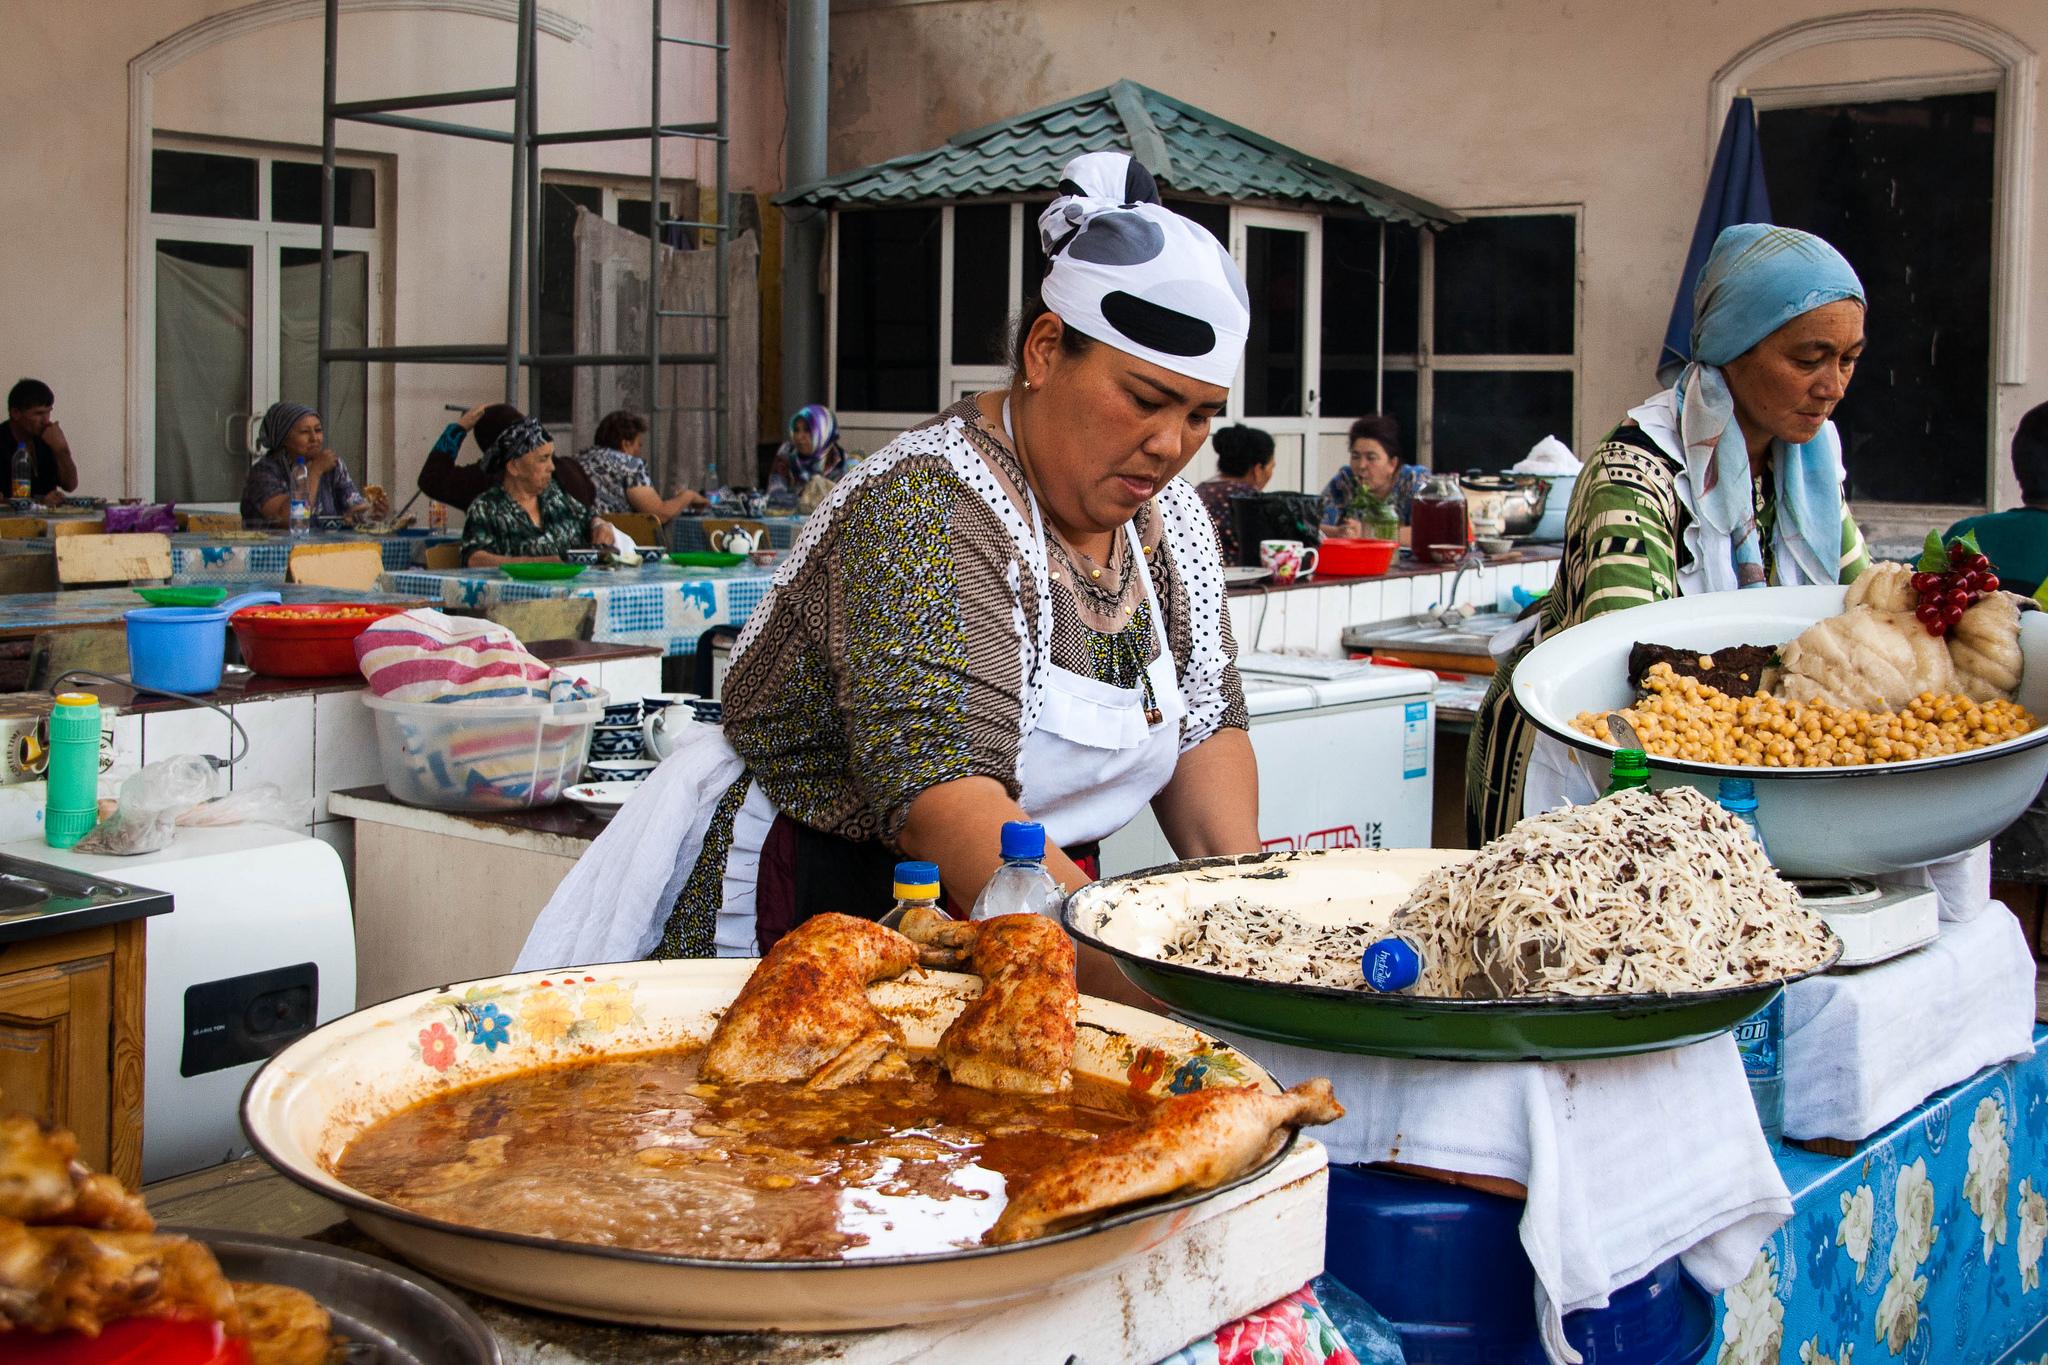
{"x":64,"y":160}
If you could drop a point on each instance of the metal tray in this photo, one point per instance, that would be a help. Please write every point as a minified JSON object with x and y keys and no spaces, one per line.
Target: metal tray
{"x":1535,"y":1028}
{"x":389,"y":1316}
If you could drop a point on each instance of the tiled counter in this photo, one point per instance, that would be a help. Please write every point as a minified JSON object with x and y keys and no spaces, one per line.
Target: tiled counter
{"x":1310,"y":617}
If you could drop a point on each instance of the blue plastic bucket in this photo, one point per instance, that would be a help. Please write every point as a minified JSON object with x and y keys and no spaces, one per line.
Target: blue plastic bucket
{"x":1445,"y":1265}
{"x":181,"y":649}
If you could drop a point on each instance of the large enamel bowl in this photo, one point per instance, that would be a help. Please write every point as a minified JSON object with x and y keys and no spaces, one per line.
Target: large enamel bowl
{"x":1134,"y":917}
{"x":306,"y":1104}
{"x":1817,"y":822}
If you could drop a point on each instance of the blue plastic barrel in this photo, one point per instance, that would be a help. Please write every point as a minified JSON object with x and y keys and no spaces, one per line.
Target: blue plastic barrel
{"x":1445,"y":1265}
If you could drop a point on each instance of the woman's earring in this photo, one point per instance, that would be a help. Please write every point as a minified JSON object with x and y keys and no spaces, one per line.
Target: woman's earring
{"x":1027,"y":386}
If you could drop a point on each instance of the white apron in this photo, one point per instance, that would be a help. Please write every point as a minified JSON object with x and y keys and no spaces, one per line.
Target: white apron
{"x":1090,"y":763}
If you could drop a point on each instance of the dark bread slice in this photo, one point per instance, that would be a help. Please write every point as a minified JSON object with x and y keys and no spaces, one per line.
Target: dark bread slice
{"x":1736,"y":671}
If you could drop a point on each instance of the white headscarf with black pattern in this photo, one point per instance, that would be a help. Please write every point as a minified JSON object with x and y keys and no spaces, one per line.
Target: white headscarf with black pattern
{"x":1128,"y":271}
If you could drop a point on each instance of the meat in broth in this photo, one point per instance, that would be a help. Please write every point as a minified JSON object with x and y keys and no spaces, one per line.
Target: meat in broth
{"x":640,"y":1152}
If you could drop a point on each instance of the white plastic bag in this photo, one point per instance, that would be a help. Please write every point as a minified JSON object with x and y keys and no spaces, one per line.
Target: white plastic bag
{"x":263,"y":803}
{"x":149,"y":805}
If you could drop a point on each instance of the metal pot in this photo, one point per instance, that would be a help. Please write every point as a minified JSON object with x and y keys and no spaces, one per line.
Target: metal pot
{"x":1514,"y":500}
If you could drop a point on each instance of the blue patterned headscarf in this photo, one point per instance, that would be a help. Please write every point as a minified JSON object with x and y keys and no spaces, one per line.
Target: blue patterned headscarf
{"x":1757,"y":279}
{"x":521,"y":438}
{"x":826,"y":457}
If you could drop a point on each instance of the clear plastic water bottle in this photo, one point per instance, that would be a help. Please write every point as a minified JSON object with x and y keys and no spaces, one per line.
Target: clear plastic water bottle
{"x":24,"y":472}
{"x":302,"y":498}
{"x":1021,"y":885}
{"x":1761,"y":1037}
{"x":917,"y":886}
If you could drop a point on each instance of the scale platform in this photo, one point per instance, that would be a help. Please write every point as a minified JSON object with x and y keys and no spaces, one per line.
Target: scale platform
{"x":1876,"y":921}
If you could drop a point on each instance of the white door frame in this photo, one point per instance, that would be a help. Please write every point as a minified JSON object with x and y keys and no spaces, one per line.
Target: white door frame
{"x":1307,"y":427}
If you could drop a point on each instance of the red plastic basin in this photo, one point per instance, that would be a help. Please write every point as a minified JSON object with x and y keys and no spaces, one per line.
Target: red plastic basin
{"x":1337,"y":557}
{"x":305,"y":639}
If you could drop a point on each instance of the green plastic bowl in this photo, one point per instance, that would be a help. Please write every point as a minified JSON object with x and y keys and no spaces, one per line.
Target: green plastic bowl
{"x":705,"y":559}
{"x":541,"y":571}
{"x":191,"y":595}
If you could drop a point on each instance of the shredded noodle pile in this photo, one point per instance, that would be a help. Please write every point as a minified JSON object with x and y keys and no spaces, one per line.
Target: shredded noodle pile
{"x":1264,"y":943}
{"x":1639,"y":892}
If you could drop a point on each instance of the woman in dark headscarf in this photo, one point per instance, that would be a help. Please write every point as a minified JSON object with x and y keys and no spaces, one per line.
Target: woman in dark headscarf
{"x":527,"y":516}
{"x":292,"y":433}
{"x":812,"y":450}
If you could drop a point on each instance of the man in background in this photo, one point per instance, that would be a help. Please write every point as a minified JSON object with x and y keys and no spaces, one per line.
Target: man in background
{"x":2016,"y":542}
{"x":29,"y":423}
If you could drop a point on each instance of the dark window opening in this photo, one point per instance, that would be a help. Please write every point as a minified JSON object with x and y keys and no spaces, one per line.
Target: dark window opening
{"x":887,"y":339}
{"x":981,"y":282}
{"x":1903,"y":189}
{"x":1275,"y":275}
{"x":204,"y":184}
{"x":295,"y":194}
{"x":1489,"y":419}
{"x":1351,"y":306}
{"x":1506,"y":286}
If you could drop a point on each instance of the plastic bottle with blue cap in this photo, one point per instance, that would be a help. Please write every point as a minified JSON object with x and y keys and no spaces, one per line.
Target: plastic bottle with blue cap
{"x":1761,"y":1037}
{"x":1021,"y":886}
{"x":1393,"y":965}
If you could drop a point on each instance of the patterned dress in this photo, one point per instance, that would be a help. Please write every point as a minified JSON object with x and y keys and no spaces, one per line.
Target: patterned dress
{"x":1217,"y":494}
{"x":1343,"y":487}
{"x":888,"y":660}
{"x":614,"y":473}
{"x":497,"y":524}
{"x":1624,"y":546}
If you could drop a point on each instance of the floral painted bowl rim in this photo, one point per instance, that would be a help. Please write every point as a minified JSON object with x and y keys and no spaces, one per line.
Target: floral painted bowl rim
{"x":330,"y":1186}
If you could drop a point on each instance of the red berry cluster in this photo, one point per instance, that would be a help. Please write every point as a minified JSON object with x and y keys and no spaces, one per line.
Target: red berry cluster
{"x":1944,"y":597}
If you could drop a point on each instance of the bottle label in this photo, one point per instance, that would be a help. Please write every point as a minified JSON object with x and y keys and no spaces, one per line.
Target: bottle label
{"x":1760,"y":1040}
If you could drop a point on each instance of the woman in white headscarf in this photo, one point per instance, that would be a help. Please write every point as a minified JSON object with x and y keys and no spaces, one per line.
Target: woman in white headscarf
{"x":1730,"y":479}
{"x":1013,"y":611}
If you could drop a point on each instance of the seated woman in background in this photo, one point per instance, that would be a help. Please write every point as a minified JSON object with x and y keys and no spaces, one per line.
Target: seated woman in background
{"x":1244,"y":464}
{"x":2017,"y":541}
{"x":1375,"y":468}
{"x":292,"y":432}
{"x":812,"y":451}
{"x":527,"y":515}
{"x":458,"y":486}
{"x":620,"y":474}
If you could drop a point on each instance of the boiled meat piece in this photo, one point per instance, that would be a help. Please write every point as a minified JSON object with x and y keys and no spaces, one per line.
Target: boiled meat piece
{"x":804,"y":1015}
{"x":1190,"y":1142}
{"x":1985,"y":646}
{"x":1884,"y":587}
{"x":1017,"y":1036}
{"x":1868,"y":659}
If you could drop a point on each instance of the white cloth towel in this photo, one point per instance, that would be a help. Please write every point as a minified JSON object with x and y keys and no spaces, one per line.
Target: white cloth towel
{"x":1865,"y":1044}
{"x":611,"y":906}
{"x":1962,"y":884}
{"x":1628,"y":1161}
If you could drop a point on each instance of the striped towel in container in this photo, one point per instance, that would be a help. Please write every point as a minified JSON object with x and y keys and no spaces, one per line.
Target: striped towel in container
{"x":428,"y":656}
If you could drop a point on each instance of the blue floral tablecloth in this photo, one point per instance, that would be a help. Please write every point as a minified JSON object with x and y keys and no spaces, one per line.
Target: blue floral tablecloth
{"x":662,"y":607}
{"x":687,"y":533}
{"x":1925,"y":1247}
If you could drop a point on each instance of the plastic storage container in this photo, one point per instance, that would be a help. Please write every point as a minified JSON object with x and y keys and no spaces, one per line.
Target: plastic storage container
{"x":1445,"y":1265}
{"x":1342,"y":558}
{"x":469,"y":756}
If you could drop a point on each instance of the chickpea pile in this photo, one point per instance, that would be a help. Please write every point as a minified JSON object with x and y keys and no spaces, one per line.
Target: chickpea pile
{"x":1683,"y":718}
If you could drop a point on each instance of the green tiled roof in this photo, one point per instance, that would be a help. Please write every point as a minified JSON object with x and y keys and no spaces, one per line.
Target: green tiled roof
{"x":1190,"y":150}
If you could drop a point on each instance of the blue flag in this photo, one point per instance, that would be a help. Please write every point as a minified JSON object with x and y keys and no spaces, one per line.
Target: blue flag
{"x":1735,"y":194}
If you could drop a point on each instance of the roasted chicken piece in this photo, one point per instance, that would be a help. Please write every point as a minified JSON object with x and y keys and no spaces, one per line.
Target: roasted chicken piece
{"x":1190,"y":1142}
{"x":284,"y":1326}
{"x":1017,"y":1036}
{"x":79,"y":1279}
{"x":804,"y":1015}
{"x":43,"y":1181}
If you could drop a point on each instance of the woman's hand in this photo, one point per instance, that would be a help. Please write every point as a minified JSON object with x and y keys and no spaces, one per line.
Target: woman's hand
{"x":601,"y":533}
{"x":468,"y":419}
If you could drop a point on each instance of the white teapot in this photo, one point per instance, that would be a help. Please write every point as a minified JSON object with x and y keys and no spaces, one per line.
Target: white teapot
{"x":738,"y":540}
{"x":659,"y":723}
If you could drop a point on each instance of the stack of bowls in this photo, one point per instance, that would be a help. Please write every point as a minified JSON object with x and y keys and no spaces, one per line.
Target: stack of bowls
{"x":617,"y":747}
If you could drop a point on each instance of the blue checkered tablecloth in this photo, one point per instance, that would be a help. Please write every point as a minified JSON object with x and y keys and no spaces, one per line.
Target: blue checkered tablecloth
{"x":687,"y":533}
{"x":199,"y":558}
{"x":26,"y":613}
{"x":661,"y":606}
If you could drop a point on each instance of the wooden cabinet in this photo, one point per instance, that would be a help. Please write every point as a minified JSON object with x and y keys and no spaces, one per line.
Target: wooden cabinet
{"x":71,"y":1039}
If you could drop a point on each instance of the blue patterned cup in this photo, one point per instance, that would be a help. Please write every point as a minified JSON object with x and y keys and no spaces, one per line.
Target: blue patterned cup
{"x":620,"y":769}
{"x":622,"y":713}
{"x":616,"y":741}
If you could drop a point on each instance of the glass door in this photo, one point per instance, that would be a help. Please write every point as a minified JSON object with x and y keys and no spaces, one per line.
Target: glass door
{"x":298,"y":345}
{"x":206,"y":298}
{"x":1281,"y":257}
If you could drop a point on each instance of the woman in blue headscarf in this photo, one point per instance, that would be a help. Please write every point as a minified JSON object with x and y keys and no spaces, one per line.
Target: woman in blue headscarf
{"x":1730,"y":479}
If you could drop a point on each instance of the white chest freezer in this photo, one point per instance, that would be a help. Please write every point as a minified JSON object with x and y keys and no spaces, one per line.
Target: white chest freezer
{"x":1346,"y":756}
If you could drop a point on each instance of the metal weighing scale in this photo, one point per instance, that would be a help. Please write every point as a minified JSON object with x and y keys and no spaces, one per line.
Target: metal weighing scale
{"x":1875,"y":920}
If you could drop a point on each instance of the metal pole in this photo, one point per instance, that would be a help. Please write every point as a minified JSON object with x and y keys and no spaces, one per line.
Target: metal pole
{"x":655,"y":416}
{"x":721,"y":398}
{"x":330,"y":37}
{"x":1379,"y":359}
{"x":522,"y":129}
{"x":529,"y":36}
{"x":803,"y":240}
